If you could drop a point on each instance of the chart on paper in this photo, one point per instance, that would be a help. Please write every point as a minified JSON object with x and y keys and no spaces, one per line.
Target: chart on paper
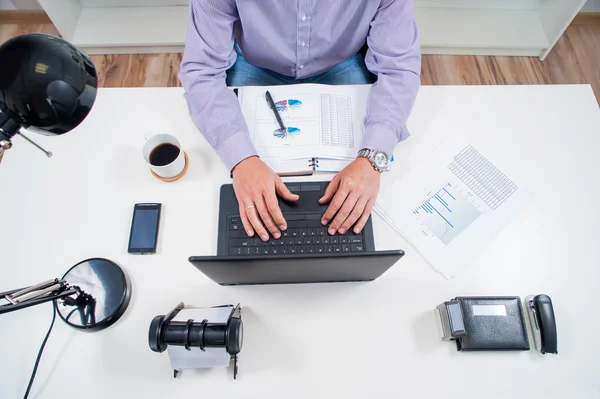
{"x":291,"y":107}
{"x":447,"y":212}
{"x":298,"y":133}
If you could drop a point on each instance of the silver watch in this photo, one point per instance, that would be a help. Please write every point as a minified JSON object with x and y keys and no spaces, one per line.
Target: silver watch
{"x":378,"y":158}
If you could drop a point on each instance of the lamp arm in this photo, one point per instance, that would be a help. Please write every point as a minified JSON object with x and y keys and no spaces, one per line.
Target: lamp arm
{"x":64,"y":290}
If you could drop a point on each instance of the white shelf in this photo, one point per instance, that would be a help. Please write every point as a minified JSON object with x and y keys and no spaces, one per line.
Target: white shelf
{"x":109,"y":30}
{"x":480,"y":31}
{"x":449,"y":30}
{"x":477,"y":27}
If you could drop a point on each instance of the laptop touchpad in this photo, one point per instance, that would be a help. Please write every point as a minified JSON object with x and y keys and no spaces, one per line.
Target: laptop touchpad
{"x":309,"y":198}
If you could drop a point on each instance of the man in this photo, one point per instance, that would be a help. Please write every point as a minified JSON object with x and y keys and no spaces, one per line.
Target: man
{"x":264,"y":42}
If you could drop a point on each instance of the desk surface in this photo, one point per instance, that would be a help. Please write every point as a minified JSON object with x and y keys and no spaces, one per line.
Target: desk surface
{"x":323,"y":340}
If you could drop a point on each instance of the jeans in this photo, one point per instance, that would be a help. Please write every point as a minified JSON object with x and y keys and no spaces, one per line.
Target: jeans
{"x":353,"y":71}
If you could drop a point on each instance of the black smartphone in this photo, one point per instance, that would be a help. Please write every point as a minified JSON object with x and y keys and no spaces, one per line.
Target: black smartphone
{"x":144,"y":229}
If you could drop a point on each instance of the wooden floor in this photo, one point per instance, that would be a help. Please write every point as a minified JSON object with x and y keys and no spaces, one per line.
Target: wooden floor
{"x":575,"y":59}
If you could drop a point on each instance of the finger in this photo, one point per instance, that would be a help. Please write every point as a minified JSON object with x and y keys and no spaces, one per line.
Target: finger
{"x":252,"y":214}
{"x":365,"y":216}
{"x":343,"y":214}
{"x":285,"y":192}
{"x":330,"y":190}
{"x":246,"y":222}
{"x":355,"y":214}
{"x":275,"y":211}
{"x":263,"y":211}
{"x":336,"y":204}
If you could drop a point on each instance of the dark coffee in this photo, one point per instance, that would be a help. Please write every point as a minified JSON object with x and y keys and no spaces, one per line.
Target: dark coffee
{"x":164,"y":154}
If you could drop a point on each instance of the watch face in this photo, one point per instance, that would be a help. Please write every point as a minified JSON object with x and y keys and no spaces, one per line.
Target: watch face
{"x":380,"y":160}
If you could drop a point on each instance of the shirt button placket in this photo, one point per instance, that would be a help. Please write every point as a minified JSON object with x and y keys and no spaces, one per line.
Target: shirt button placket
{"x":302,"y":45}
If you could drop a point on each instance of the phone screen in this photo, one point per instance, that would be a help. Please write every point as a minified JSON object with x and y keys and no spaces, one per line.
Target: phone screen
{"x":144,"y":228}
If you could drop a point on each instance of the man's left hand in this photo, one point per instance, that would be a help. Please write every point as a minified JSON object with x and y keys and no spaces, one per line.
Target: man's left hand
{"x":352,"y":193}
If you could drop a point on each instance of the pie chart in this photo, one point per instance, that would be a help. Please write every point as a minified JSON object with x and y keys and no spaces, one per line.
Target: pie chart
{"x":288,"y":105}
{"x":290,"y":132}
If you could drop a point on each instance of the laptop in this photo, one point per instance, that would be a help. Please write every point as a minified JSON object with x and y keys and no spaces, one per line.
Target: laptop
{"x":305,"y":253}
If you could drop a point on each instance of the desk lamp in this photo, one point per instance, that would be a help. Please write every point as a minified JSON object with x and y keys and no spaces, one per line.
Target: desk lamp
{"x":49,"y":86}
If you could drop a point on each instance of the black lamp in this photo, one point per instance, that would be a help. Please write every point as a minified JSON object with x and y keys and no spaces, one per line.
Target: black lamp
{"x":47,"y":85}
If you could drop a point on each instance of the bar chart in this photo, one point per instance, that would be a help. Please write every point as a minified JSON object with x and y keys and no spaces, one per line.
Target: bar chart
{"x":446,"y":213}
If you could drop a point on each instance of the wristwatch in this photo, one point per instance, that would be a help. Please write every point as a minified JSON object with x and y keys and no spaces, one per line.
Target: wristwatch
{"x":378,"y":158}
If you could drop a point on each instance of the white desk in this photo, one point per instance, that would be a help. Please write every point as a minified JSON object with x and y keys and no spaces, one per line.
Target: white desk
{"x":359,"y":340}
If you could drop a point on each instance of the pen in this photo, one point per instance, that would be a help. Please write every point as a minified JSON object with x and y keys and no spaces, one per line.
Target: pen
{"x":274,"y":108}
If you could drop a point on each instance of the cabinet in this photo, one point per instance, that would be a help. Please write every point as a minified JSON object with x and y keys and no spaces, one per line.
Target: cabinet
{"x":478,"y":27}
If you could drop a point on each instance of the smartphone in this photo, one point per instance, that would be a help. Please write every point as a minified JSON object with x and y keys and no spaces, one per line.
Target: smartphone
{"x":144,"y":229}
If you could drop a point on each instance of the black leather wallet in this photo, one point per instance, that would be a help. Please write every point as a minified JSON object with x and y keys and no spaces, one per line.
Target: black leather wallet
{"x":493,"y":323}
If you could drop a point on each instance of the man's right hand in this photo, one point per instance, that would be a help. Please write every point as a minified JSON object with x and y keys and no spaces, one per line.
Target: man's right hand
{"x":255,"y":186}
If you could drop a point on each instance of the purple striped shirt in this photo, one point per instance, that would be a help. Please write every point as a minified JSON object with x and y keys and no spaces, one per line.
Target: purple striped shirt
{"x":299,"y":38}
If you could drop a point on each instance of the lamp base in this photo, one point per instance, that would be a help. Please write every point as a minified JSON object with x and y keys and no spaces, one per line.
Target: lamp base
{"x":104,"y":295}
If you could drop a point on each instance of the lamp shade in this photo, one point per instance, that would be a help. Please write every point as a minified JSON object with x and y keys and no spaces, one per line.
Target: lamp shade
{"x":47,"y":85}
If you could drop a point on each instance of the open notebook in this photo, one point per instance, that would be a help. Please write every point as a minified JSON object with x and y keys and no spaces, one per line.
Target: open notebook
{"x":324,"y":126}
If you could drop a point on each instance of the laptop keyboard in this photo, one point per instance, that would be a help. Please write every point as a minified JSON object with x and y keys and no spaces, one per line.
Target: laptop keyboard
{"x":305,"y":235}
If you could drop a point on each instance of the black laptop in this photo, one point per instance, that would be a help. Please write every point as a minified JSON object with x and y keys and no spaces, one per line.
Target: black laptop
{"x":305,"y":253}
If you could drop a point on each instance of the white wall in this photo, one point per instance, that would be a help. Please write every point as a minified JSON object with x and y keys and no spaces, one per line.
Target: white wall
{"x":19,"y":5}
{"x":64,"y":15}
{"x":591,"y":6}
{"x":6,"y":5}
{"x":26,"y":4}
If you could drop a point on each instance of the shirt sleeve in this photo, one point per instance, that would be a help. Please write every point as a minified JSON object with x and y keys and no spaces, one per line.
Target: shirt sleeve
{"x":209,"y":52}
{"x":394,"y":56}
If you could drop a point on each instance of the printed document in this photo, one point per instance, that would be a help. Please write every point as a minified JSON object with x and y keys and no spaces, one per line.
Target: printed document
{"x":452,"y":206}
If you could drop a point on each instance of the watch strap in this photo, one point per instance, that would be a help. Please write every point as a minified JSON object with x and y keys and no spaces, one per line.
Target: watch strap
{"x":365,"y":153}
